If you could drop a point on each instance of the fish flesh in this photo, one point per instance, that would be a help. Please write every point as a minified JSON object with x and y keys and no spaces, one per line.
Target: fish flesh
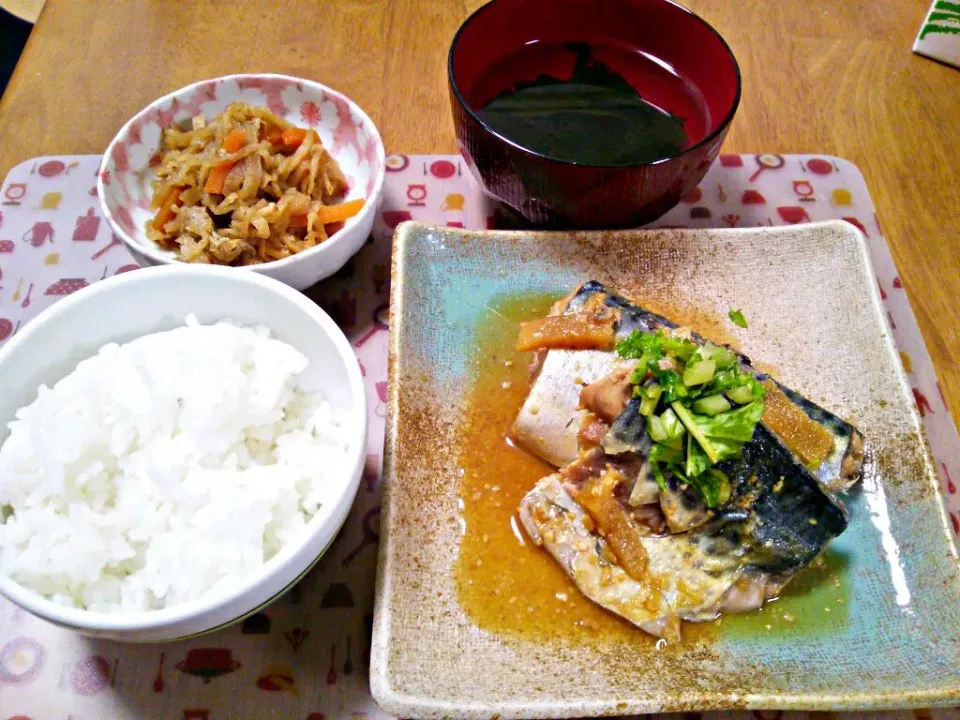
{"x":779,"y":519}
{"x":548,"y":421}
{"x":658,"y":556}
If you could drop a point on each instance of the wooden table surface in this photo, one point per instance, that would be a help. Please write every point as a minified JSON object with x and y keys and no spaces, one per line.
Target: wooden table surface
{"x":835,"y":76}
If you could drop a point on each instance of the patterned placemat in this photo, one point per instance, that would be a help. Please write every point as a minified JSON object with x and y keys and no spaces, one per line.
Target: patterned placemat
{"x":305,"y":658}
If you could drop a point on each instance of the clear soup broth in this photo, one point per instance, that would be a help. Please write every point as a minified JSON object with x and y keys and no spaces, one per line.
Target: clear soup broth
{"x":597,"y":103}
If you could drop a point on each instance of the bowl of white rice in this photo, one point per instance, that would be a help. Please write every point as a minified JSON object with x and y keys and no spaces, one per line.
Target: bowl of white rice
{"x":178,"y":446}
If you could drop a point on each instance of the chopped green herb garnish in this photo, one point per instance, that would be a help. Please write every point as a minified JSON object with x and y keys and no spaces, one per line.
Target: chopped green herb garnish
{"x":650,"y":396}
{"x":711,"y":405}
{"x":697,"y":460}
{"x":655,"y":429}
{"x":657,"y":472}
{"x":700,"y":408}
{"x":743,"y":394}
{"x":637,"y":343}
{"x":737,"y":317}
{"x":672,"y":425}
{"x":713,"y":485}
{"x":735,"y":424}
{"x":699,"y":373}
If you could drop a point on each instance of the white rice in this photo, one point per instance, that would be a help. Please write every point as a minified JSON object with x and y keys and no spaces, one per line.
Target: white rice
{"x":166,"y":468}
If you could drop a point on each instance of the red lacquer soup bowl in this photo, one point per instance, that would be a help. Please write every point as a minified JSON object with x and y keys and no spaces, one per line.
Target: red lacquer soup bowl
{"x":674,"y":60}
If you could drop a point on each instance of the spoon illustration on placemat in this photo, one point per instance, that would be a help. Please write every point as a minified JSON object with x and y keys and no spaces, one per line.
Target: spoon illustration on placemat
{"x":348,"y":662}
{"x":370,"y":535}
{"x":158,"y":681}
{"x":114,"y":241}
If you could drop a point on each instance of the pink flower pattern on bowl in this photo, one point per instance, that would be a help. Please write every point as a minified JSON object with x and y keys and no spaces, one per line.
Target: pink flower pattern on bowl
{"x":124,"y":180}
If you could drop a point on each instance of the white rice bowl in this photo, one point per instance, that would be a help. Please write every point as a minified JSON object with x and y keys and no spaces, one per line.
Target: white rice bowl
{"x":166,"y":469}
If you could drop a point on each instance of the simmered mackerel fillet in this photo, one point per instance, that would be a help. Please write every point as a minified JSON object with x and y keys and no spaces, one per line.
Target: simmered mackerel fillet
{"x":658,"y":551}
{"x":551,"y":416}
{"x":777,"y":522}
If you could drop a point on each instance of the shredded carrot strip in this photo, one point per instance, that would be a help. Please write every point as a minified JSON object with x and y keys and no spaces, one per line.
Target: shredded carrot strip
{"x":165,"y":213}
{"x":233,"y":142}
{"x":218,"y":174}
{"x":339,"y":213}
{"x":292,"y":137}
{"x":274,"y":136}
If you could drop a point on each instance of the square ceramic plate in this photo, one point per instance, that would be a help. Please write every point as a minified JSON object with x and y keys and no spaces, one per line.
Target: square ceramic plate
{"x":881,"y":626}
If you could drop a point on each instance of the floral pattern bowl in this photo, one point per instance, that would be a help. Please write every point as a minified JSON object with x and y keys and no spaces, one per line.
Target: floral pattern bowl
{"x":348,"y":133}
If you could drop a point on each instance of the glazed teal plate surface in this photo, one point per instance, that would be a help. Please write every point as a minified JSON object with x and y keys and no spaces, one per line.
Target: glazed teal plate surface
{"x":889,"y":632}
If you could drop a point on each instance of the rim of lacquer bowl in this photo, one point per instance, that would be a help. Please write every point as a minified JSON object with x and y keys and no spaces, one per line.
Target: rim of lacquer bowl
{"x":153,"y":252}
{"x":132,"y":623}
{"x":708,"y":138}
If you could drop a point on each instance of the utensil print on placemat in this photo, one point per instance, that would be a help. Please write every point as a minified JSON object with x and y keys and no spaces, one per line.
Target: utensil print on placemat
{"x":51,"y":201}
{"x":396,"y":163}
{"x":381,"y":410}
{"x":441,"y":169}
{"x":348,"y":662}
{"x":296,"y":637}
{"x":21,"y":661}
{"x":277,"y":678}
{"x":91,"y":675}
{"x":114,"y":241}
{"x":416,"y":195}
{"x":793,"y":214}
{"x":65,"y":286}
{"x":51,"y":168}
{"x":767,"y":162}
{"x":951,"y":486}
{"x":819,"y":166}
{"x":7,"y":328}
{"x":371,"y":536}
{"x":371,"y":471}
{"x":923,"y":404}
{"x":381,"y":318}
{"x":14,"y":193}
{"x":392,"y":218}
{"x":338,"y":595}
{"x":158,"y":683}
{"x":86,"y":227}
{"x":256,"y":624}
{"x":381,"y":274}
{"x":332,"y":672}
{"x":40,"y":233}
{"x":804,"y":190}
{"x":453,"y":202}
{"x":208,"y":663}
{"x":343,"y":310}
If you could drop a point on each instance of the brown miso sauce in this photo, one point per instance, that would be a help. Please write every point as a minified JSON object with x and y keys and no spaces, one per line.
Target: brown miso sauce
{"x":505,"y":583}
{"x":513,"y":588}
